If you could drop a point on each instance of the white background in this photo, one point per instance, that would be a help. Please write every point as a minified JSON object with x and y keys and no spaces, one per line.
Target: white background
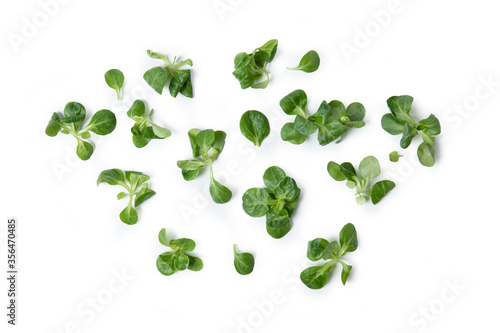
{"x":439,"y":226}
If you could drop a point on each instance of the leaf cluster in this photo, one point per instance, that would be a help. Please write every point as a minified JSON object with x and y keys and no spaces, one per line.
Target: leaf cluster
{"x":180,"y":79}
{"x":277,"y":201}
{"x":251,"y":69}
{"x":369,"y":169}
{"x":399,"y":121}
{"x":316,"y":277}
{"x":206,"y":146}
{"x":177,"y":259}
{"x":144,"y":129}
{"x":71,"y":122}
{"x":137,"y":190}
{"x":331,"y":120}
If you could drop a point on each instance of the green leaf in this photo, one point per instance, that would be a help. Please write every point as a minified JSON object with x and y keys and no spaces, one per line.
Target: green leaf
{"x":195,"y":264}
{"x":369,"y":168}
{"x":391,"y":125}
{"x":157,"y":78}
{"x":289,"y":133}
{"x":305,"y":126}
{"x":331,"y":250}
{"x":160,"y":132}
{"x":84,"y":149}
{"x":205,"y":139}
{"x":338,"y":109}
{"x":192,"y":139}
{"x":121,"y":195}
{"x":254,"y":126}
{"x":400,"y":107}
{"x":349,"y":238}
{"x":129,"y":215}
{"x":187,"y":88}
{"x":103,"y":122}
{"x":348,"y":170}
{"x":178,"y":81}
{"x":270,"y":49}
{"x":192,"y":165}
{"x":309,"y":62}
{"x":408,"y":134}
{"x":346,"y":270}
{"x":114,"y":78}
{"x":278,"y":232}
{"x":53,"y":126}
{"x":190,"y":174}
{"x":256,"y":202}
{"x":162,"y":237}
{"x":138,"y":109}
{"x":315,"y":248}
{"x":276,"y":218}
{"x":144,"y":194}
{"x":111,"y":176}
{"x":313,"y":277}
{"x":181,"y":262}
{"x":335,"y":172}
{"x":219,"y":193}
{"x":295,"y":103}
{"x":141,"y":139}
{"x":380,"y":189}
{"x":425,"y":154}
{"x":356,"y":111}
{"x":272,"y":176}
{"x":185,"y":244}
{"x":324,"y":115}
{"x":165,"y":264}
{"x":220,"y":140}
{"x":430,"y":125}
{"x":286,"y":189}
{"x":244,"y":76}
{"x":243,"y":262}
{"x":74,"y":113}
{"x":241,"y":60}
{"x":330,"y":132}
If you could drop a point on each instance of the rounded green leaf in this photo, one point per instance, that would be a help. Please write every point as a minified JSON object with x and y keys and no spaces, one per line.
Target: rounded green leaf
{"x":270,"y":48}
{"x":195,"y":264}
{"x":313,"y":277}
{"x":287,"y":189}
{"x":400,"y":107}
{"x":185,"y":244}
{"x":394,"y":156}
{"x":278,"y":232}
{"x":330,"y":132}
{"x":425,"y":154}
{"x":349,"y":238}
{"x":219,"y":193}
{"x":272,"y":176}
{"x":114,"y":78}
{"x":430,"y":125}
{"x":162,"y":237}
{"x":331,"y":250}
{"x":103,"y":122}
{"x":369,"y":168}
{"x":181,"y":262}
{"x":348,"y":170}
{"x":53,"y":127}
{"x":129,"y":215}
{"x":178,"y":81}
{"x":256,"y":202}
{"x":305,"y":126}
{"x":138,"y":109}
{"x":73,"y":113}
{"x":380,"y":189}
{"x":356,"y":111}
{"x":346,"y":270}
{"x":290,"y":134}
{"x":309,"y":62}
{"x":334,"y":171}
{"x":295,"y":103}
{"x":157,"y":78}
{"x":391,"y":125}
{"x":408,"y":134}
{"x":111,"y":176}
{"x":160,"y":132}
{"x":338,"y":109}
{"x":165,"y":263}
{"x":277,"y":218}
{"x":254,"y":126}
{"x":315,"y":248}
{"x":144,"y":194}
{"x":243,"y":262}
{"x":205,"y":140}
{"x":84,"y":150}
